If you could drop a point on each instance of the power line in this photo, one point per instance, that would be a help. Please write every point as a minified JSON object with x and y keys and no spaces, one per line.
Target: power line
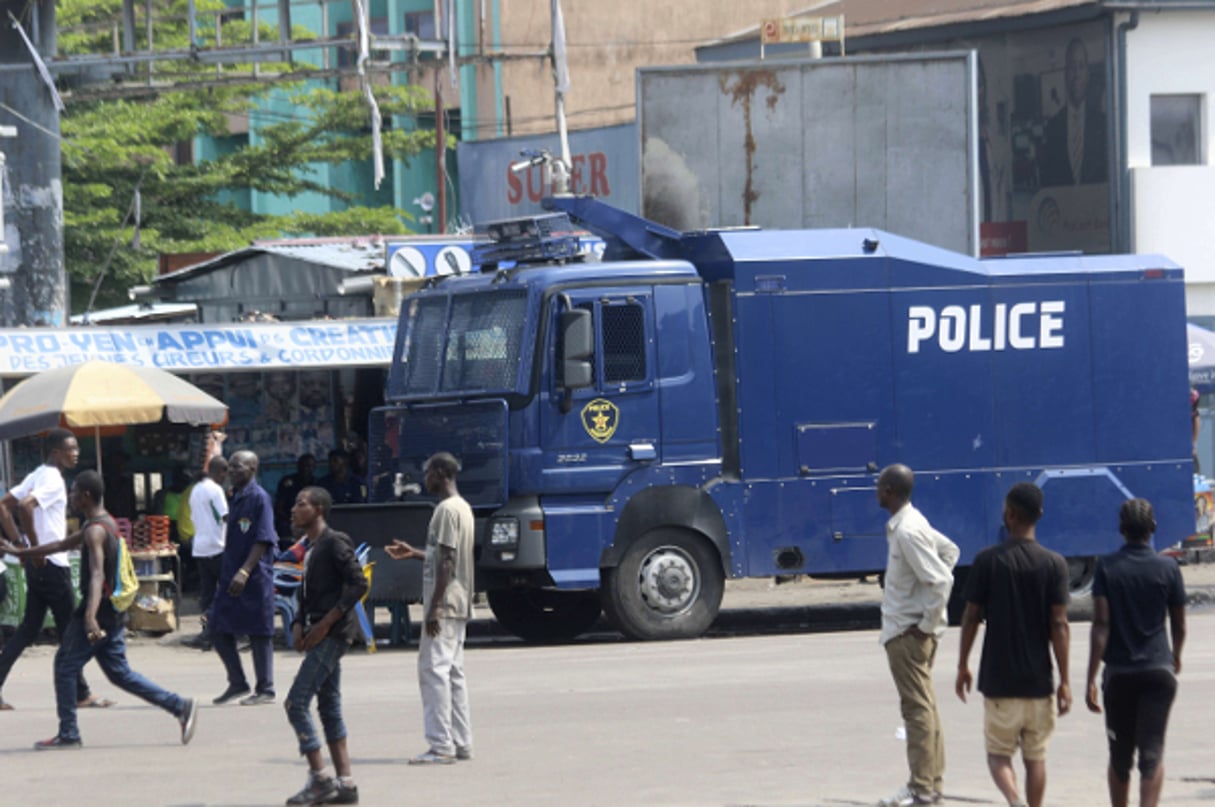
{"x":33,"y":123}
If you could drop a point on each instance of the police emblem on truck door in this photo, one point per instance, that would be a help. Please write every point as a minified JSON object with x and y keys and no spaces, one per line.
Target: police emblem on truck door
{"x":599,"y":418}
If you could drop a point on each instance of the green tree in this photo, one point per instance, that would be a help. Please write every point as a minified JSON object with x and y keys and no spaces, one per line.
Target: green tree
{"x":112,"y":148}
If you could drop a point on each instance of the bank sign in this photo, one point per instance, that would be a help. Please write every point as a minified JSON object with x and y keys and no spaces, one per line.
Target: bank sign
{"x":190,"y":348}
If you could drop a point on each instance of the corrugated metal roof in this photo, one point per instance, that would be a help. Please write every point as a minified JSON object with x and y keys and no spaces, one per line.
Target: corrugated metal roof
{"x":351,"y":256}
{"x":875,"y":17}
{"x":140,"y":312}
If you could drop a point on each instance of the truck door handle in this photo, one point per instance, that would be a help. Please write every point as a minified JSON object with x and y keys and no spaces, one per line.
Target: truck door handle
{"x":642,"y":451}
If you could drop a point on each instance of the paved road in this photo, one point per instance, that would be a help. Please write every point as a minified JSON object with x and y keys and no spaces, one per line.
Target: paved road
{"x":794,"y":719}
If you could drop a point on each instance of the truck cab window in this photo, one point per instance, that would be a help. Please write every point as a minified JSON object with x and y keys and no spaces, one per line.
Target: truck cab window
{"x":623,"y":343}
{"x":424,"y":345}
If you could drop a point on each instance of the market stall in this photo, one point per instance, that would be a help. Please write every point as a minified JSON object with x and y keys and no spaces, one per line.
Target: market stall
{"x":96,"y":395}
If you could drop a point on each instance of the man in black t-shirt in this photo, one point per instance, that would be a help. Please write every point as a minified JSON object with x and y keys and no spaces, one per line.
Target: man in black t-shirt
{"x":1134,"y":592}
{"x":1021,"y":588}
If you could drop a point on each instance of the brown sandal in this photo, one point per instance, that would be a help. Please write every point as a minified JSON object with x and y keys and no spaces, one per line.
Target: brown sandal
{"x":5,"y":706}
{"x":94,"y":702}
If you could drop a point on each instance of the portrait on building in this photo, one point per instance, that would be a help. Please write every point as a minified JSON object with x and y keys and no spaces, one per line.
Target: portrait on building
{"x":1044,"y":140}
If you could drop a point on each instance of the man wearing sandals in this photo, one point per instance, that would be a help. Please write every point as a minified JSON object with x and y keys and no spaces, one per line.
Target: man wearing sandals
{"x":39,"y":505}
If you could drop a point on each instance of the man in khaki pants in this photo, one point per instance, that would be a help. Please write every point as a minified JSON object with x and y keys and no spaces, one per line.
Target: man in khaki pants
{"x":919,"y":577}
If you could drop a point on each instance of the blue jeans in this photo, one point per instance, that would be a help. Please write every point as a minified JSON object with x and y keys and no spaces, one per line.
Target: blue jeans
{"x":320,"y":674}
{"x":263,"y":661}
{"x":111,"y":654}
{"x":47,"y":587}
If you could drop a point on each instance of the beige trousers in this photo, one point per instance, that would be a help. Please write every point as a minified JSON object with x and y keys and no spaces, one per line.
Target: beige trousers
{"x":911,"y":666}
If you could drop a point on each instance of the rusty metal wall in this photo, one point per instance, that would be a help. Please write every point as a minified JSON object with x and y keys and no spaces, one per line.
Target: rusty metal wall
{"x":886,"y":142}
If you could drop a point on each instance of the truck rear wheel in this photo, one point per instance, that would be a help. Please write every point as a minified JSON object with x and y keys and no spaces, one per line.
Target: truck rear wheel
{"x":956,"y":604}
{"x":668,"y":586}
{"x":1080,"y":576}
{"x":544,"y":614}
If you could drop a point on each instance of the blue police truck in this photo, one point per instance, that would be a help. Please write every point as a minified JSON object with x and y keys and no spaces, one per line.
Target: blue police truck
{"x":712,"y":405}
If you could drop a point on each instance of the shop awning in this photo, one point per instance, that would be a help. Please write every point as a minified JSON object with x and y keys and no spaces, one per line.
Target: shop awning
{"x":201,"y":348}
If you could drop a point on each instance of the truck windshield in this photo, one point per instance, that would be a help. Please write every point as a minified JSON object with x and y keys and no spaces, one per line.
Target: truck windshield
{"x":463,"y":343}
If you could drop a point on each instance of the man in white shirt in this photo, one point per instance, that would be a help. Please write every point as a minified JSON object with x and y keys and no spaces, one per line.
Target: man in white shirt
{"x":39,"y":505}
{"x":209,"y":512}
{"x":919,"y":577}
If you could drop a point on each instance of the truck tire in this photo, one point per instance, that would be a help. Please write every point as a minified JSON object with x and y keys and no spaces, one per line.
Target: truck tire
{"x":544,"y":614}
{"x":668,"y":586}
{"x":1080,"y":576}
{"x":957,"y":596}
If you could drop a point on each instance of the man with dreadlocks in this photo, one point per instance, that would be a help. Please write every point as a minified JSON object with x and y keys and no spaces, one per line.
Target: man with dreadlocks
{"x":1133,"y":590}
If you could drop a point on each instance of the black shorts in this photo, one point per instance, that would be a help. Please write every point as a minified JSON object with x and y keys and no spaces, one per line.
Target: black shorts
{"x":1136,"y":716}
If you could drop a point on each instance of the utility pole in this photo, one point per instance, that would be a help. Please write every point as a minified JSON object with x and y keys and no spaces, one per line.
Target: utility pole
{"x":440,"y":154}
{"x":33,"y":193}
{"x":561,"y":83}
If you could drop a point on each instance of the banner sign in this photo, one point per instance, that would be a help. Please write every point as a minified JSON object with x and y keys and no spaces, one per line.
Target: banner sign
{"x":603,"y":163}
{"x":193,"y":347}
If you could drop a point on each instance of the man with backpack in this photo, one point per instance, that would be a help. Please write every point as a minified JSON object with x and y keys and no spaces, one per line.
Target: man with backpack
{"x":37,"y":507}
{"x":95,"y":629}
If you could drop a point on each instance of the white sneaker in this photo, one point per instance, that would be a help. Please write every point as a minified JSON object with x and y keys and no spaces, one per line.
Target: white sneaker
{"x":906,"y":797}
{"x":433,"y":758}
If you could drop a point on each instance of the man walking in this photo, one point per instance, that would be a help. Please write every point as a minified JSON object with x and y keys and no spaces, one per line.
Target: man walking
{"x":1134,"y":590}
{"x":1021,"y":589}
{"x":447,"y":592}
{"x":324,"y":628}
{"x":95,"y":629}
{"x":244,"y":601}
{"x":208,"y":512}
{"x":918,"y":579}
{"x":39,"y":504}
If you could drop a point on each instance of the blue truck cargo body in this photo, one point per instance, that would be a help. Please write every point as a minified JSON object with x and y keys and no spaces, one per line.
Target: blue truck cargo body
{"x":747,"y":386}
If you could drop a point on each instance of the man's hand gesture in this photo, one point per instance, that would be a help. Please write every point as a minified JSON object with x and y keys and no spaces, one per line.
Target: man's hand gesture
{"x":399,"y":550}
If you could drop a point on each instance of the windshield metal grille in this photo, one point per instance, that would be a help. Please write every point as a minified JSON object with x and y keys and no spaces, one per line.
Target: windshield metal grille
{"x":483,"y":342}
{"x":424,"y":344}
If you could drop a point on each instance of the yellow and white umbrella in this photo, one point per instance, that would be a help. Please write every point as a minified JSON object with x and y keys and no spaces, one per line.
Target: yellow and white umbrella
{"x":99,"y":393}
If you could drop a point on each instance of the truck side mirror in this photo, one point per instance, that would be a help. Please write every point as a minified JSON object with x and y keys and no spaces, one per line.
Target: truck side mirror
{"x":577,"y":347}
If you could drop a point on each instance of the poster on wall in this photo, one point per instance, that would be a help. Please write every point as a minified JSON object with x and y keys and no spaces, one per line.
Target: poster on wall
{"x":1044,"y":135}
{"x":277,"y":414}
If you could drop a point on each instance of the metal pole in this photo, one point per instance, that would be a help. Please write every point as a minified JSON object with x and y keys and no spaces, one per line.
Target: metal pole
{"x":256,"y":37}
{"x":284,"y":27}
{"x":128,"y":26}
{"x":560,"y":182}
{"x":440,"y":156}
{"x":149,"y":34}
{"x":34,"y":213}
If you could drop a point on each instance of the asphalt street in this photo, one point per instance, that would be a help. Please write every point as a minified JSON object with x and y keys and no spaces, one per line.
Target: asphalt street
{"x":798,"y":718}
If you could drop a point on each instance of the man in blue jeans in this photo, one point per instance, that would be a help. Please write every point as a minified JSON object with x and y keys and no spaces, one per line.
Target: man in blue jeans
{"x":37,"y":507}
{"x":324,"y":628}
{"x":95,"y":630}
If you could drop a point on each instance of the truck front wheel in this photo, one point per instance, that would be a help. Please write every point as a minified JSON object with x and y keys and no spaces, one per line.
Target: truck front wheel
{"x":544,"y":614}
{"x":668,"y":586}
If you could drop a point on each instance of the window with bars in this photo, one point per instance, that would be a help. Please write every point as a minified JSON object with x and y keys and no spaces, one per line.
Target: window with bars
{"x":475,"y":348}
{"x":623,"y":343}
